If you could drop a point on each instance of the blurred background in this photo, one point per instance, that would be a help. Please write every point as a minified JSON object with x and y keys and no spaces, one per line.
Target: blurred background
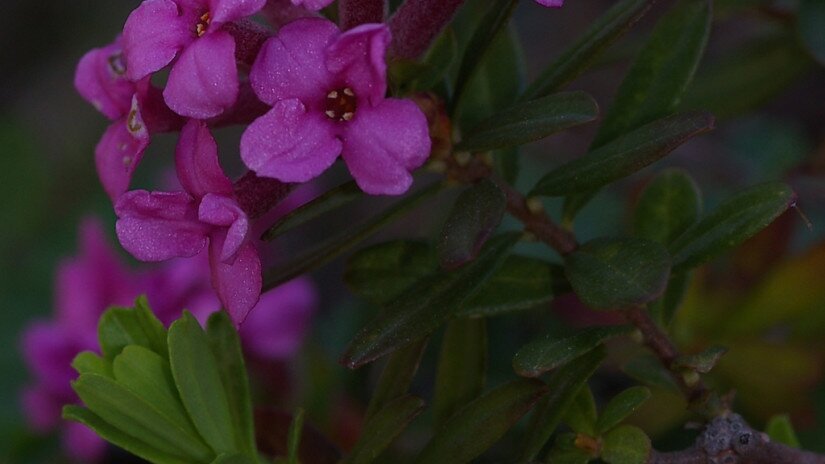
{"x":766,"y":301}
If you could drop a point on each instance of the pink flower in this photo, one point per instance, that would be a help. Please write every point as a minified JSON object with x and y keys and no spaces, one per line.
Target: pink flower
{"x":327,"y":92}
{"x":551,"y":3}
{"x":101,"y":80}
{"x":156,"y":226}
{"x":203,"y":81}
{"x":313,"y":5}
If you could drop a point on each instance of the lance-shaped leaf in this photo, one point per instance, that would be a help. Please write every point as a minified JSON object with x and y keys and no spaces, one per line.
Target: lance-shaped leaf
{"x":780,"y":429}
{"x":462,"y":367}
{"x":809,"y":21}
{"x":121,"y":439}
{"x":621,"y":406}
{"x":425,"y":306}
{"x":731,"y":223}
{"x":624,"y":155}
{"x":521,"y":283}
{"x":481,"y":423}
{"x":702,"y":362}
{"x":548,"y":353}
{"x":664,"y":309}
{"x":530,"y":121}
{"x":120,"y":327}
{"x":648,"y":369}
{"x":328,"y":201}
{"x":382,"y":272}
{"x":198,"y":379}
{"x":581,"y":416}
{"x":293,"y":442}
{"x":233,"y":459}
{"x":396,"y":377}
{"x":564,"y":386}
{"x":226,"y":348}
{"x":626,"y":444}
{"x":662,"y":71}
{"x":384,"y":427}
{"x":669,"y":204}
{"x":335,"y":246}
{"x":611,"y":25}
{"x":474,"y":217}
{"x":612,"y":273}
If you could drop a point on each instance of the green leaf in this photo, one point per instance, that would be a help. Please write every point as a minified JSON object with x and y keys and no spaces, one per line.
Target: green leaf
{"x":626,"y":444}
{"x":396,"y":377}
{"x":462,"y":367}
{"x":521,"y":283}
{"x":548,"y":353}
{"x":328,"y":201}
{"x":730,"y":224}
{"x":119,"y":438}
{"x":780,"y":429}
{"x":596,"y":39}
{"x":621,"y":406}
{"x":90,"y":363}
{"x":610,"y":273}
{"x":474,"y":217}
{"x":564,"y":386}
{"x":581,"y":415}
{"x":382,"y":272}
{"x":530,"y":121}
{"x":669,"y":204}
{"x":647,"y":369}
{"x":119,"y":327}
{"x":335,"y":246}
{"x":565,"y":451}
{"x":662,"y":71}
{"x":226,"y":348}
{"x":383,"y":428}
{"x":664,"y":309}
{"x":233,"y":459}
{"x":481,"y":423}
{"x":810,"y":20}
{"x":197,"y":376}
{"x":624,"y":155}
{"x":130,"y":414}
{"x":702,"y":362}
{"x":294,"y":437}
{"x":425,"y":306}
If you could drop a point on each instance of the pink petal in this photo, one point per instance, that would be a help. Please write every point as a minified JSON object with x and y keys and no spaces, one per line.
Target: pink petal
{"x":289,"y":143}
{"x":359,"y":56}
{"x":291,"y":64}
{"x":204,"y":81}
{"x":313,"y":5}
{"x":48,"y":351}
{"x":238,"y":284}
{"x":153,"y":34}
{"x":119,"y":152}
{"x":41,"y":408}
{"x":223,"y":211}
{"x":83,"y":444}
{"x":277,"y":325}
{"x":196,"y":162}
{"x":224,"y":11}
{"x":158,"y":226}
{"x":100,"y":79}
{"x":383,"y":144}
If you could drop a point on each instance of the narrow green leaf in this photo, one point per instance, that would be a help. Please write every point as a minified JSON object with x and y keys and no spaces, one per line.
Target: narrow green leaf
{"x":425,"y":306}
{"x":130,"y":414}
{"x":611,"y":25}
{"x":626,"y":444}
{"x":233,"y":459}
{"x":90,"y":363}
{"x":335,"y":246}
{"x":548,"y":353}
{"x":119,"y":327}
{"x":383,"y":428}
{"x":328,"y":201}
{"x":624,"y":155}
{"x":382,"y":272}
{"x":198,"y":379}
{"x":702,"y":362}
{"x":730,"y":224}
{"x":581,"y":415}
{"x":810,"y":22}
{"x":564,"y":386}
{"x":226,"y":348}
{"x":396,"y":377}
{"x":621,"y":406}
{"x":612,"y":273}
{"x":294,"y":437}
{"x":669,"y":204}
{"x":780,"y":429}
{"x":573,"y":204}
{"x":521,"y":283}
{"x":530,"y":121}
{"x":462,"y":367}
{"x":662,"y":71}
{"x":647,"y":369}
{"x":474,"y":217}
{"x":120,"y":439}
{"x":477,"y":426}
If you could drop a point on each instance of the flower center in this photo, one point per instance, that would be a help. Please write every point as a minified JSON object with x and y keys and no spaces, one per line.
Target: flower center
{"x":340,"y":104}
{"x":203,"y":24}
{"x":116,"y":64}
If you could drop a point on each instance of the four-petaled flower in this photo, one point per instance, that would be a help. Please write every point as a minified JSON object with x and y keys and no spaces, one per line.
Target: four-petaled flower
{"x":327,"y":92}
